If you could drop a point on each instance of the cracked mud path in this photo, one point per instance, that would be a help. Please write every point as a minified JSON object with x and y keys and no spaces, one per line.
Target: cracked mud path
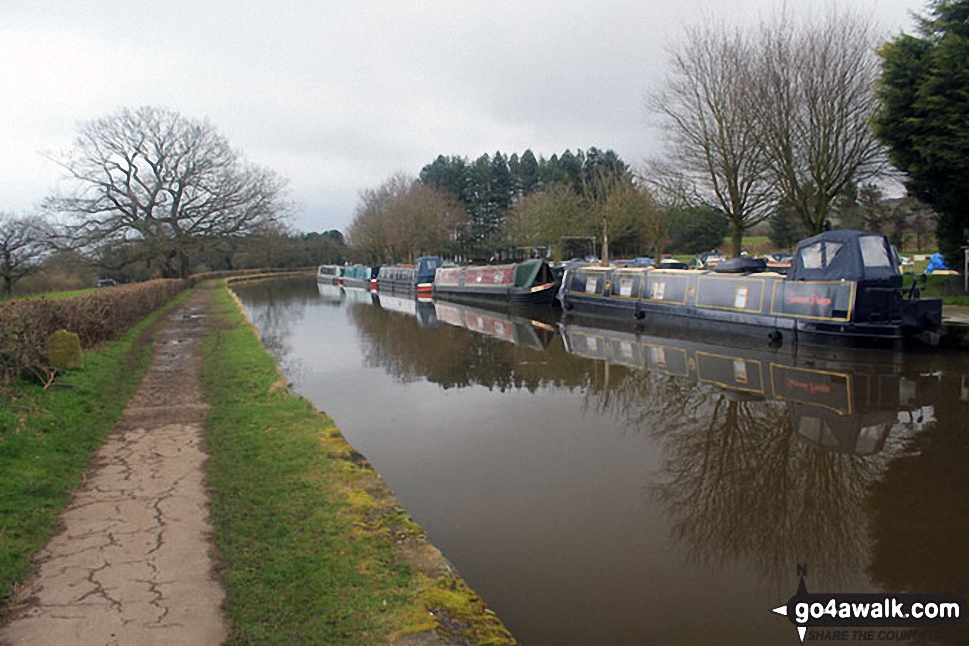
{"x":133,"y":562}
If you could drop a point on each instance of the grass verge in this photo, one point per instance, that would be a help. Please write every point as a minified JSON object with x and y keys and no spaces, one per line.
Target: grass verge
{"x":313,"y":547}
{"x":48,"y":438}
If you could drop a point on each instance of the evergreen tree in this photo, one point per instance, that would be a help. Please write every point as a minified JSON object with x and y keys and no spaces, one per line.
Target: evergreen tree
{"x":924,"y":116}
{"x":530,"y":179}
{"x":571,"y":168}
{"x":448,"y":174}
{"x":786,"y":228}
{"x":697,"y":229}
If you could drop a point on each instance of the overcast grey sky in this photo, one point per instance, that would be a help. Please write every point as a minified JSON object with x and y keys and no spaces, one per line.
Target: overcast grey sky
{"x":337,"y":95}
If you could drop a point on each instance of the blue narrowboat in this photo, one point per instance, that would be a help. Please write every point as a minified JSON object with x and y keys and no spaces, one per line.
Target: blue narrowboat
{"x":418,"y":277}
{"x":843,"y":287}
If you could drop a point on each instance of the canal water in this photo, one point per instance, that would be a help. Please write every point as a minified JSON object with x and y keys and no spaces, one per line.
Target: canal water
{"x":608,"y":486}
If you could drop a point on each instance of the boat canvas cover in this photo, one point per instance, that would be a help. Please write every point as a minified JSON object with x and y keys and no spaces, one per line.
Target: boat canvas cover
{"x":527,"y":271}
{"x":844,"y":255}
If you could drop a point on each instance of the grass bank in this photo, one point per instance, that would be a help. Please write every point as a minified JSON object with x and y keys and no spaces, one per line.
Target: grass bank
{"x":48,"y":438}
{"x":948,"y":288}
{"x":314,"y":547}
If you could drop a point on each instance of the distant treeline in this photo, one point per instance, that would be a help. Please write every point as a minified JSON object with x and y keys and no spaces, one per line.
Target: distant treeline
{"x":490,"y":186}
{"x":502,"y":206}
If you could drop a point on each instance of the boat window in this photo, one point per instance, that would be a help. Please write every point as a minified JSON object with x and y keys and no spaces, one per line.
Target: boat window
{"x":874,"y":253}
{"x":820,"y":254}
{"x":626,"y":287}
{"x":831,"y":250}
{"x":811,"y":256}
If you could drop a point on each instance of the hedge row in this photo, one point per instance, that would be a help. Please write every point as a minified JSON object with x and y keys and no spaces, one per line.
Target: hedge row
{"x":96,"y":317}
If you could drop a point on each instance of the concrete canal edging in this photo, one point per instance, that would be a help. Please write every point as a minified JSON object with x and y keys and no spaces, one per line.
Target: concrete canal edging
{"x":955,"y":327}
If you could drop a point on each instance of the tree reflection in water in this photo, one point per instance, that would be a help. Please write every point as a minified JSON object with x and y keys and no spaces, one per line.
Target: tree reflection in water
{"x":273,"y":305}
{"x":919,"y":510}
{"x":738,"y":484}
{"x":453,"y":357}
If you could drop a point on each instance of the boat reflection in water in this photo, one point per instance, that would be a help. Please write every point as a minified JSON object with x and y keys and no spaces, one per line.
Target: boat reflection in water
{"x":497,"y":323}
{"x":500,"y":325}
{"x":421,"y":308}
{"x":330,"y":293}
{"x":835,"y":405}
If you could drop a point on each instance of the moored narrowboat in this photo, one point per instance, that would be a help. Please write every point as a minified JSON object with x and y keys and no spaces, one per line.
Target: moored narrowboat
{"x":418,"y":277}
{"x":329,"y":274}
{"x":843,"y":287}
{"x":530,"y":282}
{"x":359,"y":276}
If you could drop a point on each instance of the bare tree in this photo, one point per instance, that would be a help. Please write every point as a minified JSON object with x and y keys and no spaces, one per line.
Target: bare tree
{"x":164,"y":181}
{"x":24,"y":241}
{"x":543,"y":217}
{"x":369,"y":231}
{"x":635,"y":220}
{"x":404,"y":218}
{"x":711,"y":137}
{"x":812,"y":96}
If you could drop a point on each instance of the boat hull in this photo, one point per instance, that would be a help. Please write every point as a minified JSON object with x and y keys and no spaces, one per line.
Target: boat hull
{"x":358,"y":283}
{"x":540,"y":295}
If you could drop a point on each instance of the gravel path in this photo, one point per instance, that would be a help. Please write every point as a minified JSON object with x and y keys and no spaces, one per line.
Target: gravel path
{"x":133,"y":563}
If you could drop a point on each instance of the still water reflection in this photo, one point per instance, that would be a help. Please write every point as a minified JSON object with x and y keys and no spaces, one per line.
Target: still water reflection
{"x":597,"y":486}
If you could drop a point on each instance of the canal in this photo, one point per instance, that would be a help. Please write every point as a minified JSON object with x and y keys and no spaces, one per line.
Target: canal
{"x":602,"y":486}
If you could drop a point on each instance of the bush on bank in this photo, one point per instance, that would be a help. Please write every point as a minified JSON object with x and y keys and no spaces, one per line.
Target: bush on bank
{"x":96,"y":317}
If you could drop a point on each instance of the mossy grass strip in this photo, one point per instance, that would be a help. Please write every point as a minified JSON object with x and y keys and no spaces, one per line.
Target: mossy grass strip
{"x":309,"y":537}
{"x":48,"y":438}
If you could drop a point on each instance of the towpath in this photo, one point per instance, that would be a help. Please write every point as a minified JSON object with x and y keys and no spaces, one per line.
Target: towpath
{"x":133,"y":562}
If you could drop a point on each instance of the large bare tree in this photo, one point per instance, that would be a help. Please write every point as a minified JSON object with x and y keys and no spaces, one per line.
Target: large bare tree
{"x":164,"y":182}
{"x":812,"y":96}
{"x":711,"y":137}
{"x":23,"y":245}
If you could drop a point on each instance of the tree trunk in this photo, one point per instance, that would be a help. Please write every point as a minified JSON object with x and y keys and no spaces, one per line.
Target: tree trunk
{"x":736,"y":239}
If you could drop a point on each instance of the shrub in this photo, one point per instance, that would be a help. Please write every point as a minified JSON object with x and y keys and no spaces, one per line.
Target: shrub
{"x":95,"y":317}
